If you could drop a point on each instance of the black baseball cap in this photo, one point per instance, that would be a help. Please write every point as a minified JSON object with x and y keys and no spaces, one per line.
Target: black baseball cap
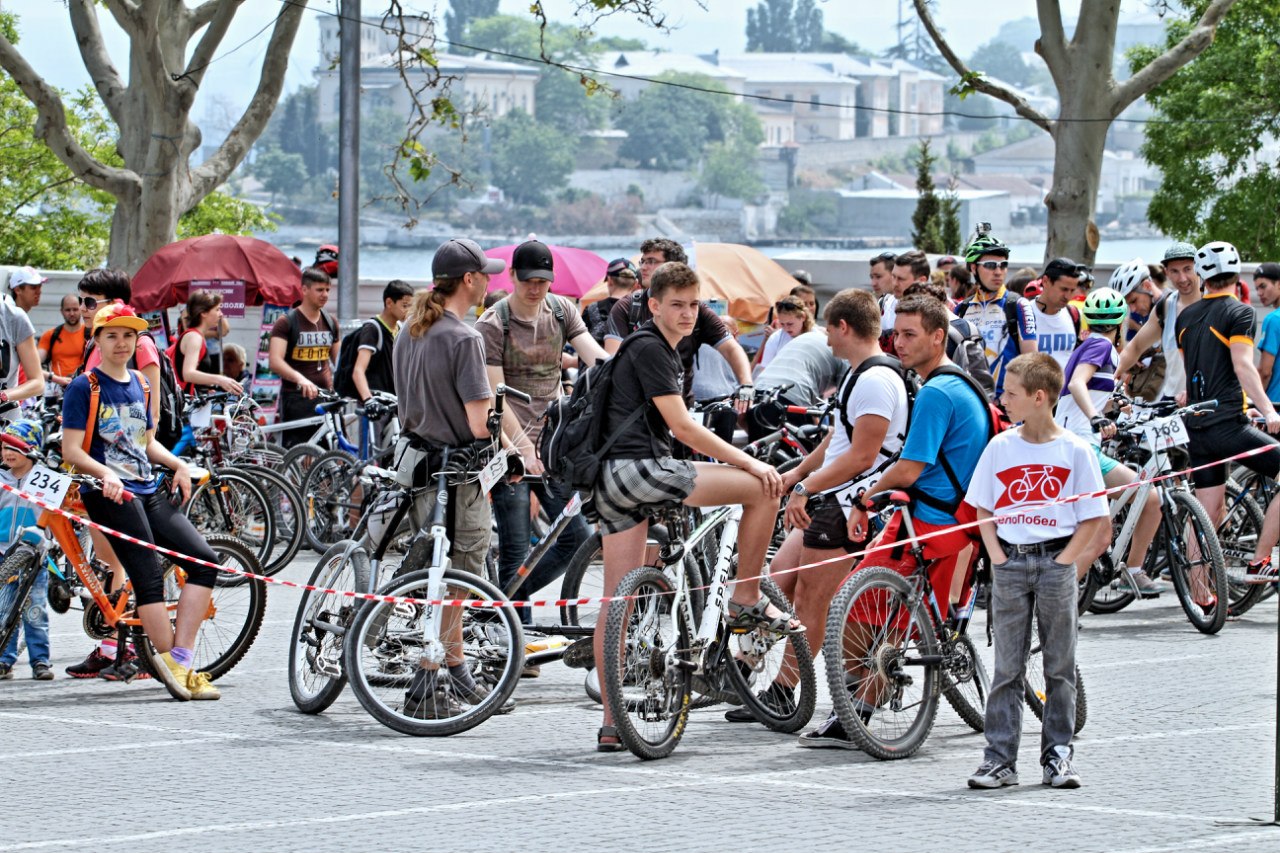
{"x":460,"y":256}
{"x":532,"y":259}
{"x":1269,"y":271}
{"x":622,"y":266}
{"x":1059,"y":267}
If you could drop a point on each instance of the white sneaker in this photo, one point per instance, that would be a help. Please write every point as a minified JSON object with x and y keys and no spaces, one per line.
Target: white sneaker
{"x":993,"y":774}
{"x":1059,"y":771}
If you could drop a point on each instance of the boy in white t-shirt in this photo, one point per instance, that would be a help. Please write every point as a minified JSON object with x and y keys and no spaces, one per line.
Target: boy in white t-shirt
{"x":1033,"y":546}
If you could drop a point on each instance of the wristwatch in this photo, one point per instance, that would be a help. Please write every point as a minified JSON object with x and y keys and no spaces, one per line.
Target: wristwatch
{"x":799,"y":489}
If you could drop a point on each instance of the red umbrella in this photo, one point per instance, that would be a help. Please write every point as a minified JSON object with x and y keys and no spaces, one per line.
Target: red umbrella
{"x":267,"y":273}
{"x":576,"y":270}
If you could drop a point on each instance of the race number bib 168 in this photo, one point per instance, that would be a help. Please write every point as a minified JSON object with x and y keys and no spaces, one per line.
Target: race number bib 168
{"x":1165,"y":433}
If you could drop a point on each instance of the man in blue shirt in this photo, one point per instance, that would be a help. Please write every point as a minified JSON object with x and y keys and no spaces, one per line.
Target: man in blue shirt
{"x":1266,"y":283}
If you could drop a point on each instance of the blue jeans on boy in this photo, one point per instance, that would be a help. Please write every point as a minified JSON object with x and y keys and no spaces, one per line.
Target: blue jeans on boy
{"x":35,"y":621}
{"x":511,"y":505}
{"x":1032,"y":584}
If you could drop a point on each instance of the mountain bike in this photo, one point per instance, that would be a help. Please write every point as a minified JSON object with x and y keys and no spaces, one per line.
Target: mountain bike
{"x":890,"y":650}
{"x":1153,"y":439}
{"x":659,"y":650}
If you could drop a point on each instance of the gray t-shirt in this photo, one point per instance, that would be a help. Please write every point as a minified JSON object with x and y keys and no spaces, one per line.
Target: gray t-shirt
{"x":808,"y":364}
{"x":436,"y":375}
{"x":530,"y":357}
{"x":15,"y":327}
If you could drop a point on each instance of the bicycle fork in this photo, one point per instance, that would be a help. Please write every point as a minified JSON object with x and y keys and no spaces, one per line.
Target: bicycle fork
{"x":717,"y":591}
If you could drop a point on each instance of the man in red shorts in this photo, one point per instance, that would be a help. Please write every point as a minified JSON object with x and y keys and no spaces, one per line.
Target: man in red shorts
{"x":948,"y":432}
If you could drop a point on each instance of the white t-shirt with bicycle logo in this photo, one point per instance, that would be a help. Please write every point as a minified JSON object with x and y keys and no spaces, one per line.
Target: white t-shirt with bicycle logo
{"x":1016,"y":479}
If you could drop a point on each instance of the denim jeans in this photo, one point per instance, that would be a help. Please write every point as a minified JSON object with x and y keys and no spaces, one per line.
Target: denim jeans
{"x":511,"y":511}
{"x":35,"y":621}
{"x":1024,"y":585}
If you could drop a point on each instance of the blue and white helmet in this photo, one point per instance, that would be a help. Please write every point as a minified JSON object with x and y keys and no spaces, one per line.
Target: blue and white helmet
{"x":1128,"y":276}
{"x":1217,"y":258}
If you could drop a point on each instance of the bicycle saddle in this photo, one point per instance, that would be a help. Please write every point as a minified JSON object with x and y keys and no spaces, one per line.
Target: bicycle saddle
{"x":880,"y":500}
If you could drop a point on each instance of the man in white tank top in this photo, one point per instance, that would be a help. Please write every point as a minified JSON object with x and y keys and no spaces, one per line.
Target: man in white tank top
{"x":1180,"y":267}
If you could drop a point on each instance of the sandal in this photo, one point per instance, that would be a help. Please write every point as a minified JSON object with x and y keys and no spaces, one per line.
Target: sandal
{"x":751,"y":616}
{"x":608,"y":746}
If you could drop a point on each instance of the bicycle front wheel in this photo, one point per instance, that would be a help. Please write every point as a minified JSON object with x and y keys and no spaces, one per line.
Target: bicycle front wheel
{"x":882,"y":663}
{"x":23,"y":566}
{"x":331,"y":493}
{"x":232,"y":503}
{"x":1196,"y":563}
{"x":316,"y":678}
{"x":648,"y":689}
{"x":776,"y":683}
{"x":385,"y":645}
{"x":287,"y":512}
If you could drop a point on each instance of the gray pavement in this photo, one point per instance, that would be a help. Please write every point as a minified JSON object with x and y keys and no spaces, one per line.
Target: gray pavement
{"x":1180,"y":738}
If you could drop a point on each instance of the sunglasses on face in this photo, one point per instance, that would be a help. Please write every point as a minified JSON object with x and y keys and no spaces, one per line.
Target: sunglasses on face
{"x":89,"y":302}
{"x":994,"y":265}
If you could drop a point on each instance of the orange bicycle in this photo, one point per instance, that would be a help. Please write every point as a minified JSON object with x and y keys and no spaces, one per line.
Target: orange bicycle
{"x":228,"y":630}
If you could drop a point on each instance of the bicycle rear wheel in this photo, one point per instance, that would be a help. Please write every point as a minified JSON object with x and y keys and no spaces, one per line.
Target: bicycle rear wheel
{"x":316,"y":677}
{"x":384,"y":646}
{"x":298,"y":461}
{"x":1196,"y":563}
{"x":287,"y":512}
{"x":648,"y":690}
{"x":1111,"y":592}
{"x":1035,"y":690}
{"x":233,"y":503}
{"x":760,"y":669}
{"x":965,"y":682}
{"x":331,"y":493}
{"x":882,"y":663}
{"x":1238,"y":535}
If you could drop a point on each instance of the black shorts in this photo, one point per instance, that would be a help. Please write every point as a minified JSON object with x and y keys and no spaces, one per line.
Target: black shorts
{"x":828,"y":528}
{"x":1227,"y":439}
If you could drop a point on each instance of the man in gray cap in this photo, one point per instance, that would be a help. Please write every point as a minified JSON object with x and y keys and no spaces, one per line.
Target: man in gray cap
{"x":438,"y":364}
{"x":1180,"y":267}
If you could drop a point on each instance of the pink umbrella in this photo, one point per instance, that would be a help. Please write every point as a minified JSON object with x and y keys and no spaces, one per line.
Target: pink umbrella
{"x":576,"y":270}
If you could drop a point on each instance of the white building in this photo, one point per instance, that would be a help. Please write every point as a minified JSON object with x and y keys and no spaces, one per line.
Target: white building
{"x":487,"y":85}
{"x":821,"y":100}
{"x":631,"y":70}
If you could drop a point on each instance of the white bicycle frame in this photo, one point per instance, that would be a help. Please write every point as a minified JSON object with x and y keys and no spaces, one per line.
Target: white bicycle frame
{"x":1157,"y":465}
{"x":717,"y":591}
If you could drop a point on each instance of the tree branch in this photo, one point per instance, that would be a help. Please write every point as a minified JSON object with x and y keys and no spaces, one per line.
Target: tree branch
{"x":212,"y":172}
{"x":208,"y":44}
{"x":1052,"y":44}
{"x":52,"y":128}
{"x":1164,"y":66}
{"x":203,"y":14}
{"x":977,"y":81}
{"x":106,"y":79}
{"x":125,"y":12}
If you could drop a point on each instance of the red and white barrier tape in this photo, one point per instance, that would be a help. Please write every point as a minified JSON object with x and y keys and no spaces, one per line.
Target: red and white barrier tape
{"x":578,"y":602}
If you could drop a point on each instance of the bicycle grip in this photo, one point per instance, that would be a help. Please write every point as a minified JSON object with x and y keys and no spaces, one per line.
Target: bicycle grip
{"x":504,"y":390}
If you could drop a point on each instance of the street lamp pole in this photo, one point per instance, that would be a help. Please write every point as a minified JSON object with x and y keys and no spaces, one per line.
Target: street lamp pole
{"x":349,"y":24}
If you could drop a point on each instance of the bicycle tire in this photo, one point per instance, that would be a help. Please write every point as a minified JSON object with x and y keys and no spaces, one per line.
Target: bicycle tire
{"x":286,"y":508}
{"x":870,"y":592}
{"x":1189,"y":512}
{"x":22,"y":563}
{"x":251,"y":521}
{"x":966,"y":684}
{"x":240,"y":607}
{"x":297,"y":461}
{"x":1034,"y":689}
{"x":1238,"y":534}
{"x":774,"y":645}
{"x":1111,"y":592}
{"x":636,"y":678}
{"x":329,"y":505}
{"x":583,"y":579}
{"x":379,"y":666}
{"x":316,"y":677}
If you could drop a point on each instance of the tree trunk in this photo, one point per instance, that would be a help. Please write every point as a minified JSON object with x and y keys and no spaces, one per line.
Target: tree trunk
{"x":1077,"y":171}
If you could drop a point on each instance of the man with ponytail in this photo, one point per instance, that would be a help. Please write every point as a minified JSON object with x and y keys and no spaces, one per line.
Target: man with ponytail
{"x":440,"y":381}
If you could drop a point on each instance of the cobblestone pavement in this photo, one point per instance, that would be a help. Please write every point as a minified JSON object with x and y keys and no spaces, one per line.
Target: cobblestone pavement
{"x":1179,"y":739}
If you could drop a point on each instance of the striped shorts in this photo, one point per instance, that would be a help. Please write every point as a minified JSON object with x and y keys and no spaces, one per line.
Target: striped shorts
{"x":627,"y":487}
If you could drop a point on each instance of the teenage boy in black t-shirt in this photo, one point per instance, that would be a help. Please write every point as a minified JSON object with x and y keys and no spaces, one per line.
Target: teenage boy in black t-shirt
{"x":1215,"y":337}
{"x":639,"y":470}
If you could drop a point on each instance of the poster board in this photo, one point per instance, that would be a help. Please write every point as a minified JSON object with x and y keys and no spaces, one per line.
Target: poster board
{"x":232,"y":295}
{"x":266,"y":385}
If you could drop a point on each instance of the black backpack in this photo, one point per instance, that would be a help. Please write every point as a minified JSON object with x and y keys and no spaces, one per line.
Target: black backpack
{"x":343,"y":373}
{"x":967,"y":348}
{"x":573,"y":443}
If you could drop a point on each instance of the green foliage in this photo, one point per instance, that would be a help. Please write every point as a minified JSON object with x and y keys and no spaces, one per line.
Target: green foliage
{"x":295,"y":129}
{"x":668,"y":127}
{"x":951,"y":235}
{"x":530,"y":160}
{"x":788,"y":26}
{"x":729,"y":171}
{"x":1219,"y":181}
{"x":220,"y":213}
{"x":1003,"y":61}
{"x":280,"y":173}
{"x":808,"y":214}
{"x":926,"y":221}
{"x":562,"y":98}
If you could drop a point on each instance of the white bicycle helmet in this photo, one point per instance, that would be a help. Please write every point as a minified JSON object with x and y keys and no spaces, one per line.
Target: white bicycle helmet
{"x":1217,"y":259}
{"x":1128,"y":276}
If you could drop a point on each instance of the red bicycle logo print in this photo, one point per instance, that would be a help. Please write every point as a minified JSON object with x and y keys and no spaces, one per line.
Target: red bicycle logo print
{"x":1031,"y":484}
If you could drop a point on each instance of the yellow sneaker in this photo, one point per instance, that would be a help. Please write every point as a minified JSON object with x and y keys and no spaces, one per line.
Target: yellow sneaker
{"x":201,"y":687}
{"x":174,"y":677}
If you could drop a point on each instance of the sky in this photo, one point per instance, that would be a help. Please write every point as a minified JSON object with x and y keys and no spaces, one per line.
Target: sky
{"x":49,"y":44}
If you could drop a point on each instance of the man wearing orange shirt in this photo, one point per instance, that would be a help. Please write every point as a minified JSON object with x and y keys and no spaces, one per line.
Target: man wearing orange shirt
{"x":61,"y":349}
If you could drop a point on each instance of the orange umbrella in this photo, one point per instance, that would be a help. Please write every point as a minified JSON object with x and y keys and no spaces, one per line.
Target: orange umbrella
{"x":746,"y":278}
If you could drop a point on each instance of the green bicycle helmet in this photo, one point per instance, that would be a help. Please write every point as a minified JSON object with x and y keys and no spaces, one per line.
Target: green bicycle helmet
{"x":985,"y":245}
{"x":1104,"y":307}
